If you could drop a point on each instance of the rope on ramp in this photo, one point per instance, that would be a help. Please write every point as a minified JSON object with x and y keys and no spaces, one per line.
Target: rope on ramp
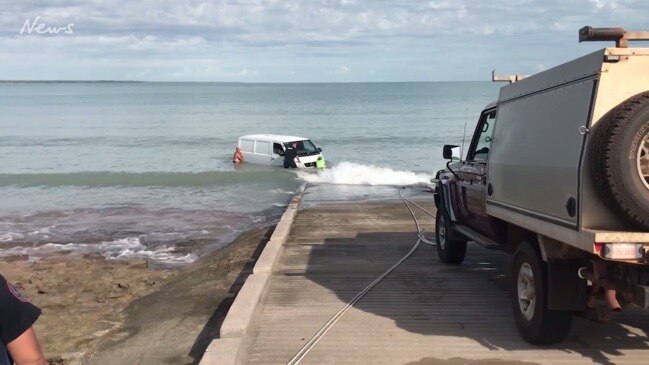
{"x":309,"y":345}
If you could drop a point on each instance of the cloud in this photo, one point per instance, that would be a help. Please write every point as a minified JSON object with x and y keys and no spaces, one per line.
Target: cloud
{"x":604,"y":3}
{"x":245,"y":72}
{"x":264,"y":40}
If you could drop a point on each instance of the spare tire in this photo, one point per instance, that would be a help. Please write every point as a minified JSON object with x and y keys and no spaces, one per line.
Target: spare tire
{"x":619,"y":159}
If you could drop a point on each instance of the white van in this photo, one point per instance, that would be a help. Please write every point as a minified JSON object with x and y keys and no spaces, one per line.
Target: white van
{"x":268,"y":149}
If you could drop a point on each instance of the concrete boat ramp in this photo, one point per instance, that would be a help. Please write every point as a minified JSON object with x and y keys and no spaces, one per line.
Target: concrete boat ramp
{"x":423,"y":313}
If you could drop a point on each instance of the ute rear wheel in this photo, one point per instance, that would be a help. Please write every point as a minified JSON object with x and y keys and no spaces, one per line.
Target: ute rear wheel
{"x":619,"y":159}
{"x":449,"y":249}
{"x":536,"y":323}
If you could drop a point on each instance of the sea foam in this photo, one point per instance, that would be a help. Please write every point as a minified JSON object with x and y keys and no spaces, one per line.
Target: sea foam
{"x":120,"y":249}
{"x":351,"y":173}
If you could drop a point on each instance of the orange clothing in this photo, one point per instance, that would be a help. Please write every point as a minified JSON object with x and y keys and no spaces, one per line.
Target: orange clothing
{"x":237,"y":157}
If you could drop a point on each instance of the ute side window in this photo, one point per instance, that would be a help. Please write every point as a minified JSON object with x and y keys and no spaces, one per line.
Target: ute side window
{"x":277,"y":149}
{"x":481,"y":144}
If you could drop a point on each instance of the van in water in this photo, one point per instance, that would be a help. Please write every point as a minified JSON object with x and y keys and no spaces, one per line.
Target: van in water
{"x":268,"y":149}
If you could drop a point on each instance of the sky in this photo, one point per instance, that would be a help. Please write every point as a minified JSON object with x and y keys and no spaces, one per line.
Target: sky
{"x":298,"y":41}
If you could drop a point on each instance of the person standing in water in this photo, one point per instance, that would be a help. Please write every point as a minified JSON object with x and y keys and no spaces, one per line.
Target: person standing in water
{"x":238,"y":156}
{"x":290,"y":155}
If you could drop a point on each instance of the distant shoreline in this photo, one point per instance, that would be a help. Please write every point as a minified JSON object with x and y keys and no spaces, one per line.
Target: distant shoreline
{"x":66,"y":81}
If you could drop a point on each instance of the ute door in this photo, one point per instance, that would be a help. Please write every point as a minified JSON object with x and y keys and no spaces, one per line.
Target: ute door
{"x":472,"y":186}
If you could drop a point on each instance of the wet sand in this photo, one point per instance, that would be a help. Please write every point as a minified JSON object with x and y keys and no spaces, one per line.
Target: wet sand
{"x":80,"y":297}
{"x":105,"y":312}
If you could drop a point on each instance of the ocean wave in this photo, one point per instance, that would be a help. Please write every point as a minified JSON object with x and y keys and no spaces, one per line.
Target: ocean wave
{"x":281,"y":191}
{"x":121,"y":249}
{"x":10,"y":236}
{"x":141,"y":179}
{"x":350,"y":173}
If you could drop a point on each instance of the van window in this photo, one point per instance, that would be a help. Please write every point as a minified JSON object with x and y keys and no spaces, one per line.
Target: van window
{"x":304,"y":148}
{"x":277,"y":149}
{"x":246,"y":145}
{"x":262,"y":147}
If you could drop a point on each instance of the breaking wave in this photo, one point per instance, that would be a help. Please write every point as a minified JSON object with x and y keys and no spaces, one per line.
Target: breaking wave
{"x":121,"y":249}
{"x":351,"y":173}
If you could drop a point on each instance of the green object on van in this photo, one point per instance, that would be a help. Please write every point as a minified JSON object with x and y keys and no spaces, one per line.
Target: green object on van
{"x":320,"y":163}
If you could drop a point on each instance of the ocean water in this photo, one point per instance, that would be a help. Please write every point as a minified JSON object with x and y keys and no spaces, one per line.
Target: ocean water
{"x":143,"y":169}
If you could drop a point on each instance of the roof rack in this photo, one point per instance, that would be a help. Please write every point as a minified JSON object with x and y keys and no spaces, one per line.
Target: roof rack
{"x":506,"y":78}
{"x":619,"y":35}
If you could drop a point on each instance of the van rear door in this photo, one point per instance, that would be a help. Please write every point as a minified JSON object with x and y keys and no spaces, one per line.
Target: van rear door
{"x":247,"y":147}
{"x":262,"y":152}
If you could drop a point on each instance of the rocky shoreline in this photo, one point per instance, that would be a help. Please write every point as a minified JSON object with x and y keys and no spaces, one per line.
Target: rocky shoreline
{"x":106,"y":311}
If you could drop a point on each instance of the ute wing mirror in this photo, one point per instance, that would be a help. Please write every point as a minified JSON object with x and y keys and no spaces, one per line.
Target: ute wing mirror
{"x":447,"y":152}
{"x":319,"y":149}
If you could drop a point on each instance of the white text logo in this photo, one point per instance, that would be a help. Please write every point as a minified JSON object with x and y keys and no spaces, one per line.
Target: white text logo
{"x":39,"y":27}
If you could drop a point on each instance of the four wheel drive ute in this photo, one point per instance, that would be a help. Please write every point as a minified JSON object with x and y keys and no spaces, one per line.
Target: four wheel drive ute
{"x":557,"y":174}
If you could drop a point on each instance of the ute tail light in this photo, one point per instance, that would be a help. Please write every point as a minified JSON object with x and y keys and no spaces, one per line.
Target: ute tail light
{"x":597,"y":248}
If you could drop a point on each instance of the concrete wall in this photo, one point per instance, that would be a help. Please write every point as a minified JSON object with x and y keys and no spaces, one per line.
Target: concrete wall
{"x":245,"y":308}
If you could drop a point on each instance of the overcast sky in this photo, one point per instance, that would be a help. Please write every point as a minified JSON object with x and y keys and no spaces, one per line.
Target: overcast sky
{"x":298,"y":41}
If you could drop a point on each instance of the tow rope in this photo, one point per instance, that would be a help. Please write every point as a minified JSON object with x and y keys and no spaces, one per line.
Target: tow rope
{"x":309,"y":345}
